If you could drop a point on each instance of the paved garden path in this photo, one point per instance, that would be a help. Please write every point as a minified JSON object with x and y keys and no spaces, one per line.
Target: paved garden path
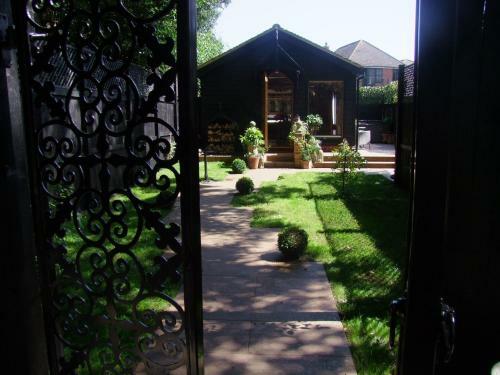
{"x":263,"y":316}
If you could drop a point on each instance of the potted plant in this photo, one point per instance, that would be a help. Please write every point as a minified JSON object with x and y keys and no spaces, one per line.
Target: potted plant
{"x":306,"y":158}
{"x":309,"y":151}
{"x":314,"y":123}
{"x":297,"y":131}
{"x":253,"y":140}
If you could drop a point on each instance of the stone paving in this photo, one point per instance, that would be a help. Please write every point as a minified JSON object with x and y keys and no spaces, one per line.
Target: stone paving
{"x":263,"y":316}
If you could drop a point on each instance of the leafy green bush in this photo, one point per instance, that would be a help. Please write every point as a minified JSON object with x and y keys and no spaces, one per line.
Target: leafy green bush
{"x":348,"y":160}
{"x":387,"y":94}
{"x":297,"y":131}
{"x":292,"y":242}
{"x":310,"y":148}
{"x":238,"y":166}
{"x":245,"y":185}
{"x":253,"y":139}
{"x":300,"y":134}
{"x":314,"y":122}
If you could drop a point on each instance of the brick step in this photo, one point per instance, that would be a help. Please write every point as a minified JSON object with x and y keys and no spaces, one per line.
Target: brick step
{"x":280,"y":157}
{"x":279,"y":164}
{"x":370,"y":164}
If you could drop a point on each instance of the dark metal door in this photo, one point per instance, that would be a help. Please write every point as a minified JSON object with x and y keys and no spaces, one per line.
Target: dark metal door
{"x":108,"y":165}
{"x":451,"y":312}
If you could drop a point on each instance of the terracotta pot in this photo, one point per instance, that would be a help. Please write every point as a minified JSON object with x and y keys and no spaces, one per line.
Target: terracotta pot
{"x":253,"y":162}
{"x":306,"y":164}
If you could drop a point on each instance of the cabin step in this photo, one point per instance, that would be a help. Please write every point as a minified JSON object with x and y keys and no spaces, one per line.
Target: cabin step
{"x":369,"y":165}
{"x":279,"y":164}
{"x":371,"y":158}
{"x":280,"y":150}
{"x":280,"y":157}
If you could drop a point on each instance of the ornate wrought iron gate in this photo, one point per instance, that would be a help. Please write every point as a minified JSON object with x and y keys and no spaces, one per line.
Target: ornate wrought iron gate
{"x":107,"y":172}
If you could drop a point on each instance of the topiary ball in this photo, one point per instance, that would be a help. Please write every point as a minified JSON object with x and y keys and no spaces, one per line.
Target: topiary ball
{"x":238,"y":166}
{"x":245,"y":185}
{"x":292,"y":242}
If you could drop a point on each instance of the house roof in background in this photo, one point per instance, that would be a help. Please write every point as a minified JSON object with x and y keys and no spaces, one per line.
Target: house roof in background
{"x":367,"y":55}
{"x":277,"y":28}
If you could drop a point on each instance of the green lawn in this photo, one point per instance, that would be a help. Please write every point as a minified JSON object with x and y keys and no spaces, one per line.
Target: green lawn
{"x":361,"y":241}
{"x":217,"y":170}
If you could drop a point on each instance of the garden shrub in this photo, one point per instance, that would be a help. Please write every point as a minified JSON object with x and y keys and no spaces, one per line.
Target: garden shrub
{"x":292,"y":242}
{"x":314,"y":122}
{"x":245,"y":185}
{"x":238,"y":166}
{"x":348,"y":162}
{"x":387,"y":94}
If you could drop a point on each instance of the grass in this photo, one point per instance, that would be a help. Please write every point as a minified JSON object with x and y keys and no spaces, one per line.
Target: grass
{"x":217,"y":170}
{"x":360,"y":239}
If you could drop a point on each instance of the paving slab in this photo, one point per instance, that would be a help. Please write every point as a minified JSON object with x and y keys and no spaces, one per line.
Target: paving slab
{"x":298,"y":339}
{"x":223,"y":363}
{"x":263,"y":315}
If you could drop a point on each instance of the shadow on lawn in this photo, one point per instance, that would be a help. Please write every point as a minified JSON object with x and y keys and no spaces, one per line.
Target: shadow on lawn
{"x":369,"y":247}
{"x":380,"y":209}
{"x":267,"y":194}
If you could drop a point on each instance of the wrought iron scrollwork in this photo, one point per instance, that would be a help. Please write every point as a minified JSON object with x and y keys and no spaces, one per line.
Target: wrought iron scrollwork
{"x":97,"y":155}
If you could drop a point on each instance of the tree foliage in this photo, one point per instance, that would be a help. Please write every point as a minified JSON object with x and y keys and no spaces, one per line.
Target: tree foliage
{"x":387,"y":94}
{"x":209,"y":46}
{"x":348,"y":161}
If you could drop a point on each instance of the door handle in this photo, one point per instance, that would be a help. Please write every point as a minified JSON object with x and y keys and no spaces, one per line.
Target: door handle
{"x":397,"y":309}
{"x":448,"y":331}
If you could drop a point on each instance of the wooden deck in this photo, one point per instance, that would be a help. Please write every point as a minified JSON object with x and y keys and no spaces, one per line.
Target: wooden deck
{"x":377,"y":156}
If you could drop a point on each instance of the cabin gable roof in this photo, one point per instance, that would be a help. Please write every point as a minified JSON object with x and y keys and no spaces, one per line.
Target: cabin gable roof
{"x":278,"y":31}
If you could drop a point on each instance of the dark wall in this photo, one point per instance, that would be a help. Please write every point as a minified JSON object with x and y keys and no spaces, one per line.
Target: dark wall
{"x":233,"y":87}
{"x":404,"y":143}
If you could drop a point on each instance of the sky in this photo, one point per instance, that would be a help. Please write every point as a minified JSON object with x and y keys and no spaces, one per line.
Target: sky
{"x":387,"y":24}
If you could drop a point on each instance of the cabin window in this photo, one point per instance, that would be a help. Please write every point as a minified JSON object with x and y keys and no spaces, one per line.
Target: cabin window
{"x":326,"y":100}
{"x":334,"y":109}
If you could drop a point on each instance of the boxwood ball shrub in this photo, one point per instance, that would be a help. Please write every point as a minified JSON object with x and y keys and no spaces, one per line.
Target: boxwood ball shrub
{"x":292,"y":242}
{"x":244,"y":185}
{"x":238,"y":166}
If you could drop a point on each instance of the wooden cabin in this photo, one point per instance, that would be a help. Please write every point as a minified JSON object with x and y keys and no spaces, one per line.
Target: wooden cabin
{"x":271,"y":78}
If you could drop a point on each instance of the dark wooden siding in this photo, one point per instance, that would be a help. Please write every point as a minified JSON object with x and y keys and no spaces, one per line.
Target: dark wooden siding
{"x":233,"y":87}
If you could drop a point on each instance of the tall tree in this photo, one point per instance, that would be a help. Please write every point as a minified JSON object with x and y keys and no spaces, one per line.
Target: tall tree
{"x":209,"y":46}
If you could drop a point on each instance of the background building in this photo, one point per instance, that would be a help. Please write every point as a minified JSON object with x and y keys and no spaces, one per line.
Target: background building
{"x":380,"y":68}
